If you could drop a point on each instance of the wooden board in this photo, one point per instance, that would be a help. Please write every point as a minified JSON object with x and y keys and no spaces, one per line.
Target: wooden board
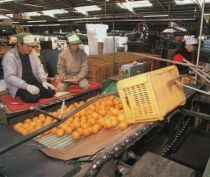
{"x":88,"y":146}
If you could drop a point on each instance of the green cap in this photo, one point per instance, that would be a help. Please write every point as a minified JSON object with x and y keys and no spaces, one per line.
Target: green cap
{"x":73,"y":38}
{"x":27,"y":39}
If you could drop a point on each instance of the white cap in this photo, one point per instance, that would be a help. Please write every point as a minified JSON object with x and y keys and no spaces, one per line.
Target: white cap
{"x":191,"y":41}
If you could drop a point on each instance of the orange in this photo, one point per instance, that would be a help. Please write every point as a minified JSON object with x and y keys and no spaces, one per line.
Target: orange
{"x":107,"y":123}
{"x":33,"y":124}
{"x":47,"y":132}
{"x":27,"y":121}
{"x":38,"y":121}
{"x":68,"y":130}
{"x":123,"y":125}
{"x":96,"y":128}
{"x":54,"y":130}
{"x":101,"y":121}
{"x":75,"y":135}
{"x":84,"y":125}
{"x":30,"y":129}
{"x":39,"y":136}
{"x":114,"y":122}
{"x":60,"y":132}
{"x":102,"y":112}
{"x":121,"y":118}
{"x":90,"y":129}
{"x":35,"y":118}
{"x":80,"y":130}
{"x":95,"y":115}
{"x":63,"y":126}
{"x":25,"y":125}
{"x":114,"y":111}
{"x":37,"y":127}
{"x":23,"y":131}
{"x":48,"y":119}
{"x":16,"y":126}
{"x":76,"y":124}
{"x":85,"y":132}
{"x":91,"y":121}
{"x":42,"y":118}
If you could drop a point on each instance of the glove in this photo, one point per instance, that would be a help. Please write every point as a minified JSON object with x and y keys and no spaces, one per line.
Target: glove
{"x":32,"y":89}
{"x":47,"y":85}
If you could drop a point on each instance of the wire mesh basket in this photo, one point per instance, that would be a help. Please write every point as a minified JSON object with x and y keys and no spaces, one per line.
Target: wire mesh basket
{"x":150,"y":96}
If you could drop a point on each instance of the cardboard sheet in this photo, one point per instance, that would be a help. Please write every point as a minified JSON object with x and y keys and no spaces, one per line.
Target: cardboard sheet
{"x":105,"y":139}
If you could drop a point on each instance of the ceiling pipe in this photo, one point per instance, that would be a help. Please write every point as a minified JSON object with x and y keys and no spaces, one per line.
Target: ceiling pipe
{"x":138,"y":20}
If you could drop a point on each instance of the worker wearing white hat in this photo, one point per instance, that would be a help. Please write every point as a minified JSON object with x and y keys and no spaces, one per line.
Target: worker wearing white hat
{"x":185,"y":52}
{"x":72,"y":64}
{"x":23,"y":72}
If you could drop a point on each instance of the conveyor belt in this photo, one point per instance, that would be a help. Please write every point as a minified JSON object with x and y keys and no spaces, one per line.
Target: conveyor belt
{"x":27,"y":161}
{"x":54,"y":142}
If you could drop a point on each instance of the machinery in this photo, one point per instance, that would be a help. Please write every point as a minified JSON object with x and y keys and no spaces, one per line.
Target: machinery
{"x":179,"y":143}
{"x":132,"y":69}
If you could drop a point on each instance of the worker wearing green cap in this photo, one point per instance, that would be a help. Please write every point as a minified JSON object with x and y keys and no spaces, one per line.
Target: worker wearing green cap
{"x":23,"y":72}
{"x":72,"y":64}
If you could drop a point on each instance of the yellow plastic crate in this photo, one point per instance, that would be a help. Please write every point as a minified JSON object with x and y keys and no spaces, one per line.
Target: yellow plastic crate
{"x":150,"y":96}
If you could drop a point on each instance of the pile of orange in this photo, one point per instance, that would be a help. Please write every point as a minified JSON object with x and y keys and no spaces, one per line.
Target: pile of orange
{"x":106,"y":112}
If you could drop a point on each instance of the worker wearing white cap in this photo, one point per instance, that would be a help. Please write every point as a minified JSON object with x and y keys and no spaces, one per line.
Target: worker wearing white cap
{"x":72,"y":64}
{"x":185,"y":52}
{"x":23,"y":72}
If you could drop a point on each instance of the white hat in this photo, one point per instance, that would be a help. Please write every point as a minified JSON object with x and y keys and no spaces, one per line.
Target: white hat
{"x":191,"y":41}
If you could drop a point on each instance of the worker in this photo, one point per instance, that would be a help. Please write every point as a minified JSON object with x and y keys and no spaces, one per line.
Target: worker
{"x":185,"y":52}
{"x":72,"y":64}
{"x":179,"y":38}
{"x":23,"y":72}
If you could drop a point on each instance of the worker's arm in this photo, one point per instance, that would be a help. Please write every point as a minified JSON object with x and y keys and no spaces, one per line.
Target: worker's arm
{"x":178,"y":58}
{"x":39,"y":66}
{"x":84,"y":67}
{"x":10,"y":69}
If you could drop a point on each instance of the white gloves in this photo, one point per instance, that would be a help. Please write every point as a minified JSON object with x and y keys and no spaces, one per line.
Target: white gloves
{"x":47,"y":85}
{"x":32,"y":89}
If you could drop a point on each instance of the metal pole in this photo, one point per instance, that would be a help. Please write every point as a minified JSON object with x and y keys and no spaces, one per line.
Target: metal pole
{"x":201,"y":30}
{"x":166,"y":60}
{"x":113,"y":29}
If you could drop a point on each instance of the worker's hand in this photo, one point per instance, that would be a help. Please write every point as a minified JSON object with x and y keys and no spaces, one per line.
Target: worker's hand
{"x":62,"y":77}
{"x":47,"y":85}
{"x":32,"y":89}
{"x":75,"y":80}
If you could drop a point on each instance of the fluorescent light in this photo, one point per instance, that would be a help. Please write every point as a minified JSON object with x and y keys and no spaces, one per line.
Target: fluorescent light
{"x":30,"y":14}
{"x":3,"y":1}
{"x":15,"y":22}
{"x":75,"y":19}
{"x":156,"y":15}
{"x":3,"y":17}
{"x":37,"y":21}
{"x":52,"y":13}
{"x":63,"y":20}
{"x":185,"y":2}
{"x":9,"y":15}
{"x":85,"y":9}
{"x":33,"y":5}
{"x":130,"y":5}
{"x":49,"y":25}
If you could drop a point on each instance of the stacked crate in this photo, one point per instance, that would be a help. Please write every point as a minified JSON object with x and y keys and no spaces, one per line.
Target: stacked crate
{"x":101,"y":66}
